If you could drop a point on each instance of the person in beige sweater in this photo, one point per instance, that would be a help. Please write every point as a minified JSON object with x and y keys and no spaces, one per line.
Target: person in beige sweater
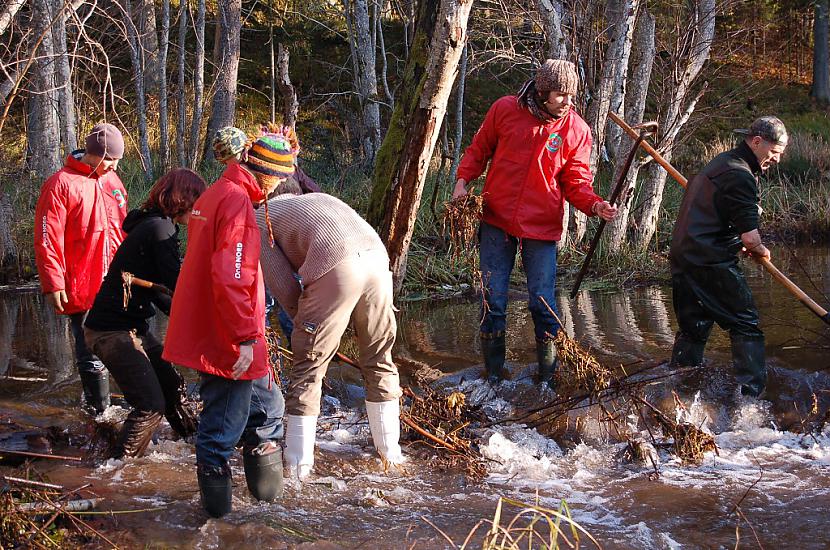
{"x":328,"y":267}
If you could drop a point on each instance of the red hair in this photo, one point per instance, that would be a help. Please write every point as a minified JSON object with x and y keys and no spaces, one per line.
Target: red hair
{"x":175,"y":192}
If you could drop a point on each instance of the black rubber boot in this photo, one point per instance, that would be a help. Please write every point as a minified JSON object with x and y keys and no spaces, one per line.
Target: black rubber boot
{"x":96,"y":386}
{"x":749,"y":360}
{"x":686,"y":352}
{"x":493,"y":348}
{"x":263,"y":473}
{"x":215,"y":487}
{"x":548,"y":361}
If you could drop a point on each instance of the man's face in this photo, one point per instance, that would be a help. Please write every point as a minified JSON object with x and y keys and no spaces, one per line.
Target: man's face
{"x":102,"y":165}
{"x":767,"y":153}
{"x":558,"y":103}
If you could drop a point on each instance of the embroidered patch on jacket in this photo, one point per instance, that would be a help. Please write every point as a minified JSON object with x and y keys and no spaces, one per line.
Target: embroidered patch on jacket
{"x":309,"y":327}
{"x":119,"y":196}
{"x":554,"y":142}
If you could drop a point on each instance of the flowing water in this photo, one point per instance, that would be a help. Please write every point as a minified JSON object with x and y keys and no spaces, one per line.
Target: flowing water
{"x":777,"y":475}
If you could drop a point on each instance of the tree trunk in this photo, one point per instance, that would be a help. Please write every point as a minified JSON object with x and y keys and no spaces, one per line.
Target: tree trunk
{"x":365,"y":78}
{"x":390,"y":99}
{"x":148,"y":38}
{"x":198,"y":85}
{"x":642,"y":62}
{"x":63,"y":73}
{"x":164,"y":118}
{"x":9,"y":258}
{"x":44,"y":131}
{"x":459,"y":116}
{"x":134,"y":41}
{"x":227,"y":69}
{"x":290,"y":104}
{"x":552,"y":12}
{"x":405,"y":155}
{"x":613,"y":132}
{"x":181,"y":119}
{"x":8,"y":12}
{"x":821,"y":55}
{"x":272,"y":96}
{"x":693,"y":51}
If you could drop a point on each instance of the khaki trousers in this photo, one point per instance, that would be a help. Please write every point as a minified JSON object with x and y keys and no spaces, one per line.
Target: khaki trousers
{"x":358,"y":289}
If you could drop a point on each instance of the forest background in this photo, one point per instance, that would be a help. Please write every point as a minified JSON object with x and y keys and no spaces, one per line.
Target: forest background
{"x":386,"y":94}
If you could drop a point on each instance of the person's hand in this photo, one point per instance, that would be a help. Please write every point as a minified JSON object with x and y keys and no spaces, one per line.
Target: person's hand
{"x":604,"y":210}
{"x":246,"y":357}
{"x":758,"y":252}
{"x":460,"y":189}
{"x":57,"y":299}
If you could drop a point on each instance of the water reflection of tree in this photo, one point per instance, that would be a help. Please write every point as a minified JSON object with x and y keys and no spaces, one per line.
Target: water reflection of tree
{"x":9,"y":305}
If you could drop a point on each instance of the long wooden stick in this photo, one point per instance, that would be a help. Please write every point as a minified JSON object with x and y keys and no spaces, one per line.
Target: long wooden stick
{"x":131,"y":279}
{"x":802,"y":296}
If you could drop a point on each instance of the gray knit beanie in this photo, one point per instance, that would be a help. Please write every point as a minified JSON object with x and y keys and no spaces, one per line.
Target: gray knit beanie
{"x":557,"y":75}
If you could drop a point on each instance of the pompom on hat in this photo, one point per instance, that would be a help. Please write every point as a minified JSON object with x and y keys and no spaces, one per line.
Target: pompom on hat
{"x":271,"y":155}
{"x":557,"y":75}
{"x":229,"y":142}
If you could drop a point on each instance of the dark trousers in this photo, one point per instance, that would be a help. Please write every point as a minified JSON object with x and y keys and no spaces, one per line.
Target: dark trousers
{"x":85,"y":359}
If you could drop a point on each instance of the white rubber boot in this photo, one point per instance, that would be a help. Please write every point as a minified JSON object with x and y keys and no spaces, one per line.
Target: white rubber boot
{"x":300,"y":433}
{"x":385,"y":425}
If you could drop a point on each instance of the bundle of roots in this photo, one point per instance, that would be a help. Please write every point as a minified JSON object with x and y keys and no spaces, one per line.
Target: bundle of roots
{"x":442,"y":422}
{"x":579,"y":371}
{"x":460,"y":221}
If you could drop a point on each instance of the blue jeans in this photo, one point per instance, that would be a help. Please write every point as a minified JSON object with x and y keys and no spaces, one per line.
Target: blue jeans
{"x":85,"y":360}
{"x":497,"y":256}
{"x":248,"y":409}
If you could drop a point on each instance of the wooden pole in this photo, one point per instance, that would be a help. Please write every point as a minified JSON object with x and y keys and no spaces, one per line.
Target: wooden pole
{"x":802,"y":296}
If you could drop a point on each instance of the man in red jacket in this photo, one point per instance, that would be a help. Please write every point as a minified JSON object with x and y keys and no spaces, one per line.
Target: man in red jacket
{"x":538,"y":150}
{"x":217,"y":326}
{"x":77,"y":231}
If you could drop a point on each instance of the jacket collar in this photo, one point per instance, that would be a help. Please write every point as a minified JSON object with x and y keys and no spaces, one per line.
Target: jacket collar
{"x":73,"y":162}
{"x":238,"y":175}
{"x":745,"y":153}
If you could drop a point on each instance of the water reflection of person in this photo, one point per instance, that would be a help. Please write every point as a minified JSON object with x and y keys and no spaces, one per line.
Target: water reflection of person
{"x":343,"y":278}
{"x":719,"y":217}
{"x":119,"y":333}
{"x":538,"y":150}
{"x":217,"y":327}
{"x":77,"y":231}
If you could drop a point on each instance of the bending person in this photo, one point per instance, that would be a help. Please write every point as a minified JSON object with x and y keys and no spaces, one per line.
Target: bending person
{"x":342,"y":275}
{"x":119,"y":334}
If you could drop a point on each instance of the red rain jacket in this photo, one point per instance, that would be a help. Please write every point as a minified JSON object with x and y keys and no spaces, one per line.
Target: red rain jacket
{"x":534,"y":167}
{"x":220,"y":297}
{"x":77,"y":231}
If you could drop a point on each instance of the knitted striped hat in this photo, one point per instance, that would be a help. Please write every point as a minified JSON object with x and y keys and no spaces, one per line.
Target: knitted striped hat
{"x":271,"y":155}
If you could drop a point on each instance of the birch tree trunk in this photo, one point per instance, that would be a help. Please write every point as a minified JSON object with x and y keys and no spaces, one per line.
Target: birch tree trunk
{"x":164,"y":119}
{"x":9,"y":258}
{"x":821,"y":54}
{"x":63,"y":73}
{"x":390,"y":99}
{"x":290,"y":104}
{"x":405,"y":156}
{"x":198,"y":85}
{"x":227,"y":70}
{"x":364,"y":78}
{"x":272,"y":96}
{"x":692,"y":53}
{"x":556,"y":37}
{"x":9,"y":10}
{"x":134,"y":41}
{"x":148,"y":38}
{"x":44,"y":131}
{"x":181,"y":119}
{"x":642,"y":61}
{"x":613,"y":132}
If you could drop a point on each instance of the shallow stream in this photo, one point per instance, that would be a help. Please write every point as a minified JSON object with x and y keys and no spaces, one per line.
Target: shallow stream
{"x":779,"y":476}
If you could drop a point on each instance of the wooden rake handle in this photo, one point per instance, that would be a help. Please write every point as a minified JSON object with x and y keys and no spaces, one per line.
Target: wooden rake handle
{"x":802,"y":296}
